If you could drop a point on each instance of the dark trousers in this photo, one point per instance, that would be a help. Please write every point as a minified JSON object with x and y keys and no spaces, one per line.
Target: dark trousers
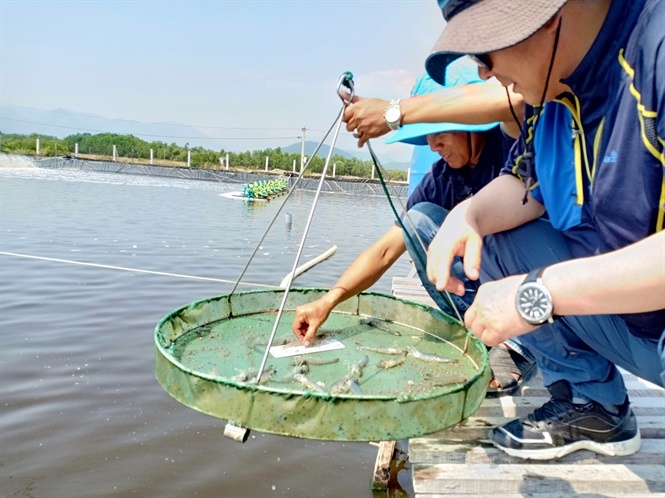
{"x":583,"y":350}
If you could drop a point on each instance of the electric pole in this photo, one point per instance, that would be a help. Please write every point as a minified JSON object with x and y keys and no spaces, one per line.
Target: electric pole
{"x":302,"y":149}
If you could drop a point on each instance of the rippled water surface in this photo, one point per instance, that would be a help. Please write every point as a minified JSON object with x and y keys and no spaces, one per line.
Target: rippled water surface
{"x":81,"y":412}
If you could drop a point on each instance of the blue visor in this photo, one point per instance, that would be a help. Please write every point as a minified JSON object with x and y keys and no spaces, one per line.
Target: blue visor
{"x":416,"y":134}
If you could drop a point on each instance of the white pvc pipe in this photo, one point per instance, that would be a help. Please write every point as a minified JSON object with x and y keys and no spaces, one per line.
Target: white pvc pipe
{"x":303,"y":268}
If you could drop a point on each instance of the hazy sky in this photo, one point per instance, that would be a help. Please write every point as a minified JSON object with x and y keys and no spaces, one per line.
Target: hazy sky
{"x":270,"y":65}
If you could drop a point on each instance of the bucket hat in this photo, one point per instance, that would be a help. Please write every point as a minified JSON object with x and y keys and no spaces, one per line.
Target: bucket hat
{"x":461,"y":72}
{"x":482,"y":26}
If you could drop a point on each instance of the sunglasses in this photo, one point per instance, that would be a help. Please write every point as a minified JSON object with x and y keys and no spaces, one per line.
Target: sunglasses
{"x":483,"y":61}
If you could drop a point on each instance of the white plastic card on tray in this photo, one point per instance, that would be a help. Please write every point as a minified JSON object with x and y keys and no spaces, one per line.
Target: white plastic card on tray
{"x":325,"y":345}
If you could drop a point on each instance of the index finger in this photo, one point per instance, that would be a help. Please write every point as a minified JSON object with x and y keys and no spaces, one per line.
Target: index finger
{"x":472,"y":257}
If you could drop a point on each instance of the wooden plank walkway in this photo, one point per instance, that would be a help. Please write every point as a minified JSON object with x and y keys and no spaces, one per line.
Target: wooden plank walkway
{"x":462,"y":462}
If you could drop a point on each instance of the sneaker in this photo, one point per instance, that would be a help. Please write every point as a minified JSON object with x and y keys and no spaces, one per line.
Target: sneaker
{"x":560,"y":427}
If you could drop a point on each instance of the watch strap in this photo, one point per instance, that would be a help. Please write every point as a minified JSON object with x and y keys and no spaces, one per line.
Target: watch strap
{"x":534,"y":275}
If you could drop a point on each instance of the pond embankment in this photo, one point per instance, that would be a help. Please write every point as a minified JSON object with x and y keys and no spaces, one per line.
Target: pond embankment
{"x":355,"y":186}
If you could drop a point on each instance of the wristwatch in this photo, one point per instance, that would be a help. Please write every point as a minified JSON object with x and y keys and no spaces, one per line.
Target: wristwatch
{"x":393,"y":115}
{"x":533,"y":300}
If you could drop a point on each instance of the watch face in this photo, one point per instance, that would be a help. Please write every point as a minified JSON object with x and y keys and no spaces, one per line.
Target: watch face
{"x":534,"y":303}
{"x":393,"y":114}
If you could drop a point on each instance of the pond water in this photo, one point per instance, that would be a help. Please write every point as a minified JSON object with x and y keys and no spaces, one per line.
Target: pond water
{"x":81,"y":412}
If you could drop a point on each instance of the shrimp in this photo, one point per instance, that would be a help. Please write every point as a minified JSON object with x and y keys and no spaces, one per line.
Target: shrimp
{"x":391,"y":351}
{"x":392,"y":363}
{"x":416,"y":353}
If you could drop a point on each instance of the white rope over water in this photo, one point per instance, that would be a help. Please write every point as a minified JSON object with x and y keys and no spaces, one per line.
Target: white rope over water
{"x":135,"y":270}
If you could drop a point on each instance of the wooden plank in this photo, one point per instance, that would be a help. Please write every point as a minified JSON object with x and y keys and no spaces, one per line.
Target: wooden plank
{"x":381,"y":474}
{"x":546,"y":495}
{"x":413,"y":296}
{"x":461,"y":461}
{"x":454,"y":461}
{"x":398,"y":289}
{"x":477,"y":429}
{"x":488,"y":479}
{"x":408,"y":281}
{"x":427,"y":302}
{"x":517,"y":406}
{"x":416,"y":299}
{"x":634,"y":391}
{"x":409,"y":288}
{"x":433,"y":452}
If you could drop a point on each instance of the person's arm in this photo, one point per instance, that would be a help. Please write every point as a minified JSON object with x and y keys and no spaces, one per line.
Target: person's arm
{"x":468,"y":104}
{"x":497,"y":207}
{"x":629,"y":280}
{"x":364,"y":272}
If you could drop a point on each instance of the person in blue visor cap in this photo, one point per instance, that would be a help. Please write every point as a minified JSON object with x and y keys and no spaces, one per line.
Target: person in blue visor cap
{"x":471,"y":155}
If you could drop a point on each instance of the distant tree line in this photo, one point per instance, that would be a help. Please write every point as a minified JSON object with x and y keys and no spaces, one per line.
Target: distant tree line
{"x":130,"y":146}
{"x":27,"y":145}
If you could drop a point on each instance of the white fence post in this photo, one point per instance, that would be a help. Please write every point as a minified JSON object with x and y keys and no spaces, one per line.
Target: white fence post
{"x":115,"y":153}
{"x":152,"y":156}
{"x":303,"y":159}
{"x":334,"y":169}
{"x":37,"y":147}
{"x":189,"y":158}
{"x":227,"y":161}
{"x":267,"y":160}
{"x":76,"y":150}
{"x":294,"y":165}
{"x":373,"y":168}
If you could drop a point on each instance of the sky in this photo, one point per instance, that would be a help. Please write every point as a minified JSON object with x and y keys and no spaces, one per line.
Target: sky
{"x":231,"y":68}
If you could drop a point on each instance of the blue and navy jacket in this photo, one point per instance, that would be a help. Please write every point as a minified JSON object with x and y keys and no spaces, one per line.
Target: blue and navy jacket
{"x":598,"y":164}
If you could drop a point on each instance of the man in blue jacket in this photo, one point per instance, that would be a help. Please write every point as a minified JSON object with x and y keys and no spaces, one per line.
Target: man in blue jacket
{"x":585,"y":290}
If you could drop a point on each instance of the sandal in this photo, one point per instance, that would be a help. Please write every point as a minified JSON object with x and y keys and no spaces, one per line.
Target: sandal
{"x":505,"y":362}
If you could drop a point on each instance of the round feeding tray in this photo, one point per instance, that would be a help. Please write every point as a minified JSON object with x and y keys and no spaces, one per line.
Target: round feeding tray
{"x":381,"y":368}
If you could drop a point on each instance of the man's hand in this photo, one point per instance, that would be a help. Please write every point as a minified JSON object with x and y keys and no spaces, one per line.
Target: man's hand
{"x":493,"y":316}
{"x":365,"y":117}
{"x":309,"y":317}
{"x":456,"y":237}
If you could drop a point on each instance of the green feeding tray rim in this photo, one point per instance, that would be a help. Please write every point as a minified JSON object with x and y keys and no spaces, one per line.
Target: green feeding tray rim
{"x":197,"y":355}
